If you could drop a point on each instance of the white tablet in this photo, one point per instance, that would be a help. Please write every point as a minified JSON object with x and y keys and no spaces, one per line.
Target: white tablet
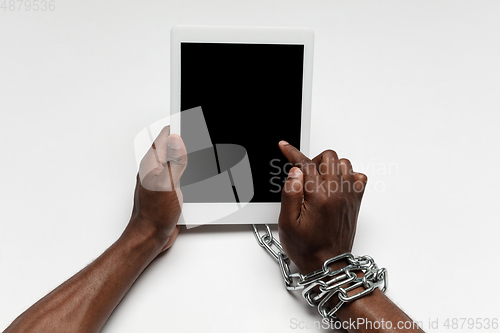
{"x":235,"y":93}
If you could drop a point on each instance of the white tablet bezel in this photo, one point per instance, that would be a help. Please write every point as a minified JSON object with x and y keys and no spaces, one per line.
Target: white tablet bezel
{"x":233,"y":213}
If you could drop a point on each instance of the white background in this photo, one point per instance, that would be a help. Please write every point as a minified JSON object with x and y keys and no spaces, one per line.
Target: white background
{"x":408,"y":90}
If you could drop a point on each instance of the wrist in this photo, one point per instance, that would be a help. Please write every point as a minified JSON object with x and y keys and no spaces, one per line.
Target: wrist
{"x":140,"y":231}
{"x":316,"y":262}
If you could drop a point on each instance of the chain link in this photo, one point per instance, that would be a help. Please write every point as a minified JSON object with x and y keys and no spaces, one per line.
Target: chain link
{"x":320,"y":286}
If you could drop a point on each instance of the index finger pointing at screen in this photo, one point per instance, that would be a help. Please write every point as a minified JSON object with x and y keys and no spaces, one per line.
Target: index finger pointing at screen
{"x":297,"y":159}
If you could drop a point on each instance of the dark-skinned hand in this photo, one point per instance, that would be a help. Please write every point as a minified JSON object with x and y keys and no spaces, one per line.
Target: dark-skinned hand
{"x":158,"y":198}
{"x":320,"y":202}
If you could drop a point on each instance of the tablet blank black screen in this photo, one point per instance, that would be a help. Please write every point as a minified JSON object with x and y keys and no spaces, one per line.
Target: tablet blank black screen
{"x":251,"y":95}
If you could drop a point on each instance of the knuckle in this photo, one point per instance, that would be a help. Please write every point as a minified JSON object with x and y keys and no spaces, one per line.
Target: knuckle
{"x":362,"y":177}
{"x":177,"y":159}
{"x":304,"y":162}
{"x":330,"y":153}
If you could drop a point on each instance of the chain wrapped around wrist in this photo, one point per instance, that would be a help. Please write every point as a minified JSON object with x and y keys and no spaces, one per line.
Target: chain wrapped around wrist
{"x":320,"y":286}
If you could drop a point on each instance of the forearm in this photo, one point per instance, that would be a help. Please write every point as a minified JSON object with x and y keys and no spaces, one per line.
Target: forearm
{"x":375,"y":312}
{"x":85,"y":301}
{"x":371,"y":313}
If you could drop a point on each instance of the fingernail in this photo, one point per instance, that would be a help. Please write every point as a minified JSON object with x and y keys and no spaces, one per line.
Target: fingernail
{"x":174,"y":141}
{"x":295,"y":173}
{"x":283,"y":143}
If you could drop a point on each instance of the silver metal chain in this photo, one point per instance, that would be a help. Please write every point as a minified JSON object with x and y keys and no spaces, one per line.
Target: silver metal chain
{"x":321,"y":285}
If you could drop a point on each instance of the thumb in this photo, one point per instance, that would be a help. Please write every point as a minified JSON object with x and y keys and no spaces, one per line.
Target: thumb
{"x":176,"y":163}
{"x":291,"y":196}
